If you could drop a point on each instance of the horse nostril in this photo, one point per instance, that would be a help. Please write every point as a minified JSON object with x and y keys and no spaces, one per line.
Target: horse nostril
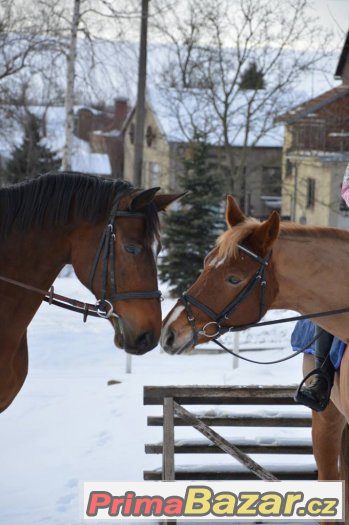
{"x":146,"y":341}
{"x":170,"y":337}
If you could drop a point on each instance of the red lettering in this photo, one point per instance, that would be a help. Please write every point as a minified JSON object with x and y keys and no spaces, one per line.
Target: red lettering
{"x":115,"y":506}
{"x":127,"y":510}
{"x":173,"y":506}
{"x":148,"y":506}
{"x":98,"y":500}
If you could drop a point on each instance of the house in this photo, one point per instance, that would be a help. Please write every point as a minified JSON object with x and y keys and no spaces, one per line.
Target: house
{"x":101,"y":129}
{"x":166,"y":146}
{"x":316,"y":153}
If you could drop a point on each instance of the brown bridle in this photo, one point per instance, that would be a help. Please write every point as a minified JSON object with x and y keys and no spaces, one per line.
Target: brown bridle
{"x":218,"y":319}
{"x":103,"y":308}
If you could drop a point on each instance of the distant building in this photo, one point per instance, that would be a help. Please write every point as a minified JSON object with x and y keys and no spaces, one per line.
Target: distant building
{"x":166,"y":145}
{"x":316,"y":153}
{"x":101,"y":129}
{"x":97,"y":143}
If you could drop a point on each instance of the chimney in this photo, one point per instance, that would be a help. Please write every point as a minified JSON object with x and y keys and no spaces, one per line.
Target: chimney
{"x":120,"y":111}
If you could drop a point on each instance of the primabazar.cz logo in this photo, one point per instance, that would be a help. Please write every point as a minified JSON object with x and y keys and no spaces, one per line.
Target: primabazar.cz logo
{"x":246,"y":500}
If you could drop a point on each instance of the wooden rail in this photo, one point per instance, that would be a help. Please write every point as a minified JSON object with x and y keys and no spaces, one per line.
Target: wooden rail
{"x":174,"y":414}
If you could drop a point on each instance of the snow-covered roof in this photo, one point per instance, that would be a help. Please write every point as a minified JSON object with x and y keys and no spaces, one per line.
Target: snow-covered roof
{"x":310,"y":107}
{"x":179,"y":113}
{"x":95,"y":163}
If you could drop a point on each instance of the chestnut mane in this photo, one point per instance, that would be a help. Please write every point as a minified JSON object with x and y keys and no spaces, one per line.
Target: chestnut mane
{"x":229,"y":240}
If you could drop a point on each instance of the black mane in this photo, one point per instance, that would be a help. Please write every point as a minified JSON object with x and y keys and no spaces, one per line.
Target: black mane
{"x":59,"y":199}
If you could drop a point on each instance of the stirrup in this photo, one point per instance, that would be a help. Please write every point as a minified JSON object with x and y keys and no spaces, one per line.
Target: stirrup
{"x":302,"y":398}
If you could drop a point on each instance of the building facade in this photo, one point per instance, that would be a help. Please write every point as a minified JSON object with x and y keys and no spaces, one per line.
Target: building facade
{"x":163,"y":165}
{"x":316,"y":153}
{"x":156,"y":152}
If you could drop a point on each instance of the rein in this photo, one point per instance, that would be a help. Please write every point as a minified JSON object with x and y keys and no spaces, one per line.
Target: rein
{"x":217,"y":319}
{"x":62,"y":301}
{"x":103,"y":308}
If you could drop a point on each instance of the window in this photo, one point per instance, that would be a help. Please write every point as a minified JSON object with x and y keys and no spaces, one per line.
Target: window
{"x":150,"y":136}
{"x":289,"y":168}
{"x":310,"y":193}
{"x":132,"y":133}
{"x":271,"y":180}
{"x":154,"y":174}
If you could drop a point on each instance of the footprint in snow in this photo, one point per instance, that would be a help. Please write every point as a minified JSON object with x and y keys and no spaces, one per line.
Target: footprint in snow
{"x":64,"y":501}
{"x":72,"y":483}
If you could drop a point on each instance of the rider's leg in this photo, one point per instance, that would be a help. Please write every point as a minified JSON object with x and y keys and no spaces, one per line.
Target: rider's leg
{"x":316,"y":394}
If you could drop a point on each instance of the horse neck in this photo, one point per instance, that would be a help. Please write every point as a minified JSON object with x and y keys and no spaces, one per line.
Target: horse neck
{"x":34,"y":257}
{"x":311,"y":268}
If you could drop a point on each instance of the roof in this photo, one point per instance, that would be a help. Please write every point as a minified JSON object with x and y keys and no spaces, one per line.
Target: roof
{"x":314,"y":104}
{"x":176,"y":112}
{"x":343,"y":58}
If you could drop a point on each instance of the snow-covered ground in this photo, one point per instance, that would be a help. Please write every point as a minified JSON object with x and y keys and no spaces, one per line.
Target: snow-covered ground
{"x":67,"y":425}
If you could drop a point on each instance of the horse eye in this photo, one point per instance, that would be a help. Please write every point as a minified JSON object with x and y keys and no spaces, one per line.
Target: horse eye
{"x":233,"y":280}
{"x":133,"y":249}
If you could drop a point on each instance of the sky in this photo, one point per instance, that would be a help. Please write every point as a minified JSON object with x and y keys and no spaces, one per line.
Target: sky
{"x":334,"y":14}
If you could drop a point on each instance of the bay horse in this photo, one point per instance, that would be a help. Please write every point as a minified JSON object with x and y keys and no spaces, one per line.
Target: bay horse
{"x":258,"y":266}
{"x":65,"y":218}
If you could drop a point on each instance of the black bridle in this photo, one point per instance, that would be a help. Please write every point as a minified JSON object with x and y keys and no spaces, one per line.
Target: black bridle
{"x":103,"y":308}
{"x":106,"y":251}
{"x":258,"y":279}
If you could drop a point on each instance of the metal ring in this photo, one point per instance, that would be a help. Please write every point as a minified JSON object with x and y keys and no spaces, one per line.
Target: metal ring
{"x":204,"y":328}
{"x":105,"y":314}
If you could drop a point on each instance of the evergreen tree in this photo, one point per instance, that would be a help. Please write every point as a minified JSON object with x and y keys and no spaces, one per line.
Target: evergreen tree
{"x":252,"y":78}
{"x":190,"y":232}
{"x":31,"y":158}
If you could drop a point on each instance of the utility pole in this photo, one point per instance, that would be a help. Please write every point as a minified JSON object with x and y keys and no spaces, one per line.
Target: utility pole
{"x":140,"y":108}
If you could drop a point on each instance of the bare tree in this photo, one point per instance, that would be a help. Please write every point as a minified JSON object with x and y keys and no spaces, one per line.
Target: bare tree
{"x":218,"y":48}
{"x":69,"y":94}
{"x":86,"y":19}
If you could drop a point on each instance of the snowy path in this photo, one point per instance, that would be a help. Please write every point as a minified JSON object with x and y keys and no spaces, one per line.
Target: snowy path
{"x":67,"y":425}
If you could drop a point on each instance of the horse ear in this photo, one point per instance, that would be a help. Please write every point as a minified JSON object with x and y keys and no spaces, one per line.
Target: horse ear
{"x":162,"y":201}
{"x":266,"y":234}
{"x":143,"y":198}
{"x":233,"y":214}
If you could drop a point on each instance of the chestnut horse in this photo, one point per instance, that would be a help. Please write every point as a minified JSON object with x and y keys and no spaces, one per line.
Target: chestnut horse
{"x":307,"y":271}
{"x":59,"y":219}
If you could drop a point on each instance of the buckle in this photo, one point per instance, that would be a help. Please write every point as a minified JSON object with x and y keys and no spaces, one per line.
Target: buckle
{"x":203,"y":331}
{"x":105,"y":312}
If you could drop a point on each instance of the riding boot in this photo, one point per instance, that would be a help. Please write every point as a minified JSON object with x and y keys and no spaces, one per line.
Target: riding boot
{"x":316,"y":395}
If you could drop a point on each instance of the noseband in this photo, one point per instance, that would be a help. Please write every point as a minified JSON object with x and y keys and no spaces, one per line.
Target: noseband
{"x":106,"y":251}
{"x":258,"y":279}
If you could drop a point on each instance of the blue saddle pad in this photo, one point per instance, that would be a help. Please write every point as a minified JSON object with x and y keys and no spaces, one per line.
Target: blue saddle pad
{"x":304,"y":332}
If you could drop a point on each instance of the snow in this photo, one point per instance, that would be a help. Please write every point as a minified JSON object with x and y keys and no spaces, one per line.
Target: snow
{"x":67,"y":425}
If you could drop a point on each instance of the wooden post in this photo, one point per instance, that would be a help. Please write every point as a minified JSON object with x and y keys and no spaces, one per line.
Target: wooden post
{"x":222,"y":443}
{"x":168,"y":467}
